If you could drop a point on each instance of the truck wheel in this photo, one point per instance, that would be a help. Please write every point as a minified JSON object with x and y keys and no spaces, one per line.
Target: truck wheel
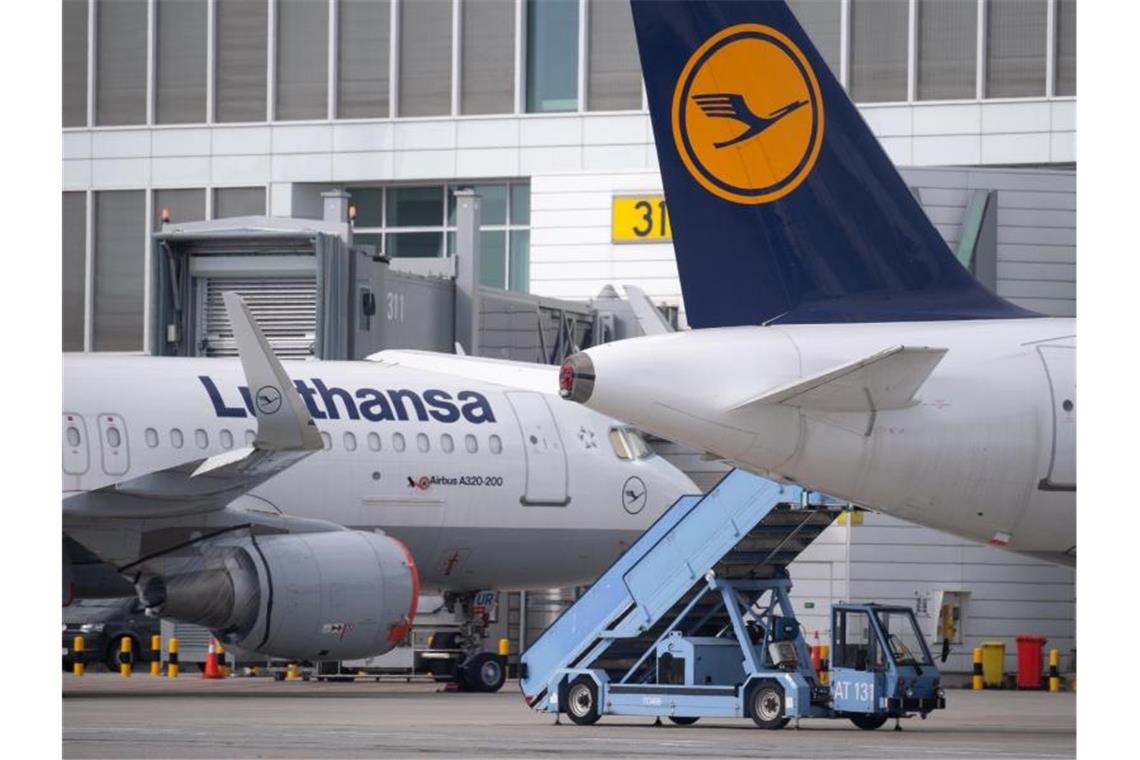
{"x":683,"y":720}
{"x":484,"y":672}
{"x":766,"y":704}
{"x":582,"y":701}
{"x":868,"y":722}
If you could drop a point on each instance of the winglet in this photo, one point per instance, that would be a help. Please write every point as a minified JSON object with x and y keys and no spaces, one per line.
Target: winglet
{"x":651,"y":321}
{"x":283,"y":421}
{"x":888,"y":379}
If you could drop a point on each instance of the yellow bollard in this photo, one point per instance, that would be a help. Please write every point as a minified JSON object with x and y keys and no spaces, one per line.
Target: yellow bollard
{"x":824,"y":665}
{"x":156,"y":655}
{"x":125,"y":657}
{"x":221,"y":652}
{"x":172,"y":658}
{"x":77,"y":656}
{"x":292,"y":673}
{"x":977,"y":680}
{"x":504,"y":647}
{"x":1054,"y":676}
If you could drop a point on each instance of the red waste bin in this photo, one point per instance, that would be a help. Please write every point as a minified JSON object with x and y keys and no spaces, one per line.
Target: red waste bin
{"x":1029,"y":661}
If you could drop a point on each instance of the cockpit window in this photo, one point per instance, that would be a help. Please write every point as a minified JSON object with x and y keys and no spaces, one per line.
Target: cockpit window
{"x":628,"y":444}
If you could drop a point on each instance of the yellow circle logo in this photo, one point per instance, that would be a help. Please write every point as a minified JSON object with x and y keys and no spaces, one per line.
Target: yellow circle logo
{"x":748,"y":115}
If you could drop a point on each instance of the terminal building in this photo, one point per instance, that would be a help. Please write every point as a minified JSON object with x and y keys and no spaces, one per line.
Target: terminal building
{"x":259,"y":108}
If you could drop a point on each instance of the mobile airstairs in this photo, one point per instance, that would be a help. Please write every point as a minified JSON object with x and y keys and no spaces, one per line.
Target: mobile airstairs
{"x":695,"y":620}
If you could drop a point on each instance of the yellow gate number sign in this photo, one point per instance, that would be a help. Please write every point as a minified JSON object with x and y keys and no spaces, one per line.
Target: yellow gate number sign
{"x":640,"y":219}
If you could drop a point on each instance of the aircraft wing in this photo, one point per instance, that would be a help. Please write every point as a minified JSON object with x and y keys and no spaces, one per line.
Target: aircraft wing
{"x":521,"y":375}
{"x":286,"y":434}
{"x":888,"y":379}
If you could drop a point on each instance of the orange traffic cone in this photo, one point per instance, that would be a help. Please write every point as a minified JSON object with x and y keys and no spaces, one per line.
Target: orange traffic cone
{"x":211,"y":670}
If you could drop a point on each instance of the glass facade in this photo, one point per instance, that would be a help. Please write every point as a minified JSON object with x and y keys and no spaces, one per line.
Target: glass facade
{"x":74,"y":63}
{"x":120,"y":62}
{"x":947,"y":50}
{"x":119,"y":250}
{"x":302,"y":57}
{"x":183,"y":205}
{"x":418,"y":221}
{"x":551,"y":55}
{"x":494,"y":60}
{"x":74,"y":269}
{"x":180,"y":73}
{"x":240,"y":57}
{"x":879,"y":50}
{"x":363,"y":32}
{"x":238,"y":201}
{"x":487,"y":71}
{"x":613,"y":69}
{"x":425,"y":58}
{"x":1015,"y":48}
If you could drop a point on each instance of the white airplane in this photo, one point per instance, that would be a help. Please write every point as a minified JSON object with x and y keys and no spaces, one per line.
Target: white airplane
{"x":298,"y":510}
{"x":838,"y":344}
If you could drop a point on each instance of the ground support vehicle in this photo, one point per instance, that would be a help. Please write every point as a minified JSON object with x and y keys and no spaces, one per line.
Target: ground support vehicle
{"x":696,"y":620}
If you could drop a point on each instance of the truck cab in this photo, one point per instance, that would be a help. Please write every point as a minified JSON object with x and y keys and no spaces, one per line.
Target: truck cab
{"x":880,"y":664}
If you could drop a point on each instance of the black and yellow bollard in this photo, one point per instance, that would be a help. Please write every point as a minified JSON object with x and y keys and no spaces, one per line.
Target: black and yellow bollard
{"x":172,"y":658}
{"x":156,"y":656}
{"x":223,"y":669}
{"x":977,"y":680}
{"x":824,"y":673}
{"x":125,"y":657}
{"x":77,"y":665}
{"x":1054,"y":675}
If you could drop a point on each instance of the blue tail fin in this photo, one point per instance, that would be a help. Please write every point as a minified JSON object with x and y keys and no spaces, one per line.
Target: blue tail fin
{"x":784,"y":206}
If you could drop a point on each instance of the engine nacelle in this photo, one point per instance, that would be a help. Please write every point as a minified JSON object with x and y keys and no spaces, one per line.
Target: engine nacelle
{"x":337,"y":595}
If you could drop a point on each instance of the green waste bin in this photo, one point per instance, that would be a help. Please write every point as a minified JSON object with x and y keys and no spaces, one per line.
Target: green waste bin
{"x":993,"y":664}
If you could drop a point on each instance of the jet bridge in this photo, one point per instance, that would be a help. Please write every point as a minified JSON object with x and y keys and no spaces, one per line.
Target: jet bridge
{"x":747,"y":528}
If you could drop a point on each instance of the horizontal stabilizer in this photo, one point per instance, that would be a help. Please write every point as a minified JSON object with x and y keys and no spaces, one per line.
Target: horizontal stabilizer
{"x":648,"y":317}
{"x":888,"y":379}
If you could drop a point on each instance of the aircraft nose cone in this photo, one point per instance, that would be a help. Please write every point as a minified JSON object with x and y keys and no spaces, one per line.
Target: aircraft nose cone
{"x":576,"y":378}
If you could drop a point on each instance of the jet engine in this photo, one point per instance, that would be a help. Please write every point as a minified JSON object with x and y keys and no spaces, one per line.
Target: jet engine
{"x":334,"y":595}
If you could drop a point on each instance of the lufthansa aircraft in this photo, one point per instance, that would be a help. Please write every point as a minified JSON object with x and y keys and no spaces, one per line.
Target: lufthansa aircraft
{"x":297,"y":510}
{"x":838,"y":344}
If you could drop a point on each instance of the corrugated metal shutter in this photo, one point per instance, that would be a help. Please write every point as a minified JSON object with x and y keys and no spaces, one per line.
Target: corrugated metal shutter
{"x":284,"y":307}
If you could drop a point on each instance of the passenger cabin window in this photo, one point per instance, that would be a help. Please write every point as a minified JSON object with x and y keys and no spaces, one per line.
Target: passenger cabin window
{"x":471,"y":444}
{"x":326,"y":441}
{"x":250,"y":437}
{"x":73,"y":436}
{"x":496,"y":444}
{"x":227,"y":439}
{"x":349,"y":442}
{"x":176,"y":438}
{"x":628,"y":444}
{"x":447,"y":443}
{"x":422,"y":443}
{"x":374,"y":441}
{"x":201,"y":439}
{"x":398,"y":441}
{"x":114,"y":437}
{"x":151,"y":437}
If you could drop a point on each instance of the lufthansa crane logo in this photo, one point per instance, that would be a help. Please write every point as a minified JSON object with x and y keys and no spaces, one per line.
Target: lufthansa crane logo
{"x":268,"y":399}
{"x":748,"y":115}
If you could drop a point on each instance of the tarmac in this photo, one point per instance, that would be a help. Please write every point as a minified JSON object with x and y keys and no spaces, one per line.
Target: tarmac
{"x":105,"y":715}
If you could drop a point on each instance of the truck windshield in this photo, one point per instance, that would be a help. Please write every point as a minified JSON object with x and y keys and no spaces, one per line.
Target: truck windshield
{"x":903,"y":638}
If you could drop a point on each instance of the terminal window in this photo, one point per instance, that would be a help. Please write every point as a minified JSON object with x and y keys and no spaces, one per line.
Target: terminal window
{"x":418,"y":221}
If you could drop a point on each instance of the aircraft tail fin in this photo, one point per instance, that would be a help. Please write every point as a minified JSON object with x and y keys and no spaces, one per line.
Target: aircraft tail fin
{"x":785,"y":208}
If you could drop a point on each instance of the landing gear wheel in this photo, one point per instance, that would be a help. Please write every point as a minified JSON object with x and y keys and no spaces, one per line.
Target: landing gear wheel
{"x":766,"y":704}
{"x":484,"y":672}
{"x":683,"y":720}
{"x":582,"y":701}
{"x":868,"y":722}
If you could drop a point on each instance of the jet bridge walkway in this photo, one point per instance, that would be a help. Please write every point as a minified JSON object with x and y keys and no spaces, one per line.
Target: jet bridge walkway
{"x":745,"y":528}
